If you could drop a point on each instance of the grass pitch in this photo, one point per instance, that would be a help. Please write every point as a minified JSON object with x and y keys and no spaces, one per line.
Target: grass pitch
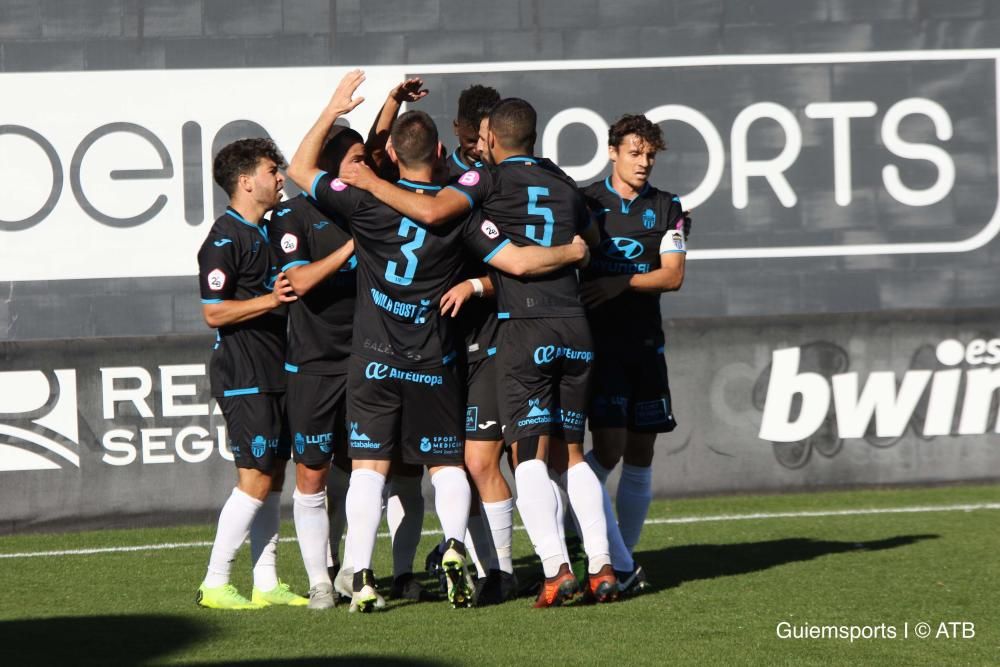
{"x":723,"y":590}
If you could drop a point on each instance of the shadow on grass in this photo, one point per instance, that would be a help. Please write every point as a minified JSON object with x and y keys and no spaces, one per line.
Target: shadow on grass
{"x":134,"y":640}
{"x":374,"y":660}
{"x":670,"y":567}
{"x":95,"y":640}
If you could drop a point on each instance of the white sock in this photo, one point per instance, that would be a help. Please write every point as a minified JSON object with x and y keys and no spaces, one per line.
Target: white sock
{"x":621,"y":557}
{"x":234,"y":526}
{"x":479,"y":544}
{"x":562,"y":518}
{"x":264,"y":543}
{"x":500,"y":518}
{"x":452,"y":497}
{"x":348,"y":562}
{"x":312,"y":528}
{"x":336,"y":492}
{"x":584,"y":493}
{"x":635,"y":492}
{"x":404,"y":510}
{"x":537,"y":505}
{"x":364,"y":510}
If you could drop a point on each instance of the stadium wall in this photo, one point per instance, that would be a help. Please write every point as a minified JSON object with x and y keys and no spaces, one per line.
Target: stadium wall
{"x":841,"y":157}
{"x":119,"y":431}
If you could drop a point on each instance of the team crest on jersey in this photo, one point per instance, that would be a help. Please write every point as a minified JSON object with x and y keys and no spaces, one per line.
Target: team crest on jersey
{"x":649,"y":218}
{"x":469,"y":178}
{"x":678,"y":238}
{"x":489,"y":229}
{"x":338,"y":185}
{"x":216,"y":280}
{"x":289,"y":242}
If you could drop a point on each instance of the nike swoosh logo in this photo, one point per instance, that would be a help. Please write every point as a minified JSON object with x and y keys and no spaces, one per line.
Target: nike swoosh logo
{"x":219,"y":244}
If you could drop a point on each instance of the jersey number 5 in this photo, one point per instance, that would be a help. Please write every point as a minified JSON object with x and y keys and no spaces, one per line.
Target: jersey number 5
{"x":545,"y":238}
{"x":409,"y":253}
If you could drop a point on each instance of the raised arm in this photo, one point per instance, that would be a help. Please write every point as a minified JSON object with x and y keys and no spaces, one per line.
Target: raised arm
{"x":304,"y":167}
{"x":410,"y":90}
{"x":447,"y":205}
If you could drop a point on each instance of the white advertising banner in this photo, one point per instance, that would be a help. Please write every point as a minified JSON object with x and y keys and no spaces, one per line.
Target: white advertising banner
{"x":109,"y":174}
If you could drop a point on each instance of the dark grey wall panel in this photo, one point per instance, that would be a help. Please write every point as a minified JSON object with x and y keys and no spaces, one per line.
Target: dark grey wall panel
{"x":88,"y":456}
{"x":61,"y":35}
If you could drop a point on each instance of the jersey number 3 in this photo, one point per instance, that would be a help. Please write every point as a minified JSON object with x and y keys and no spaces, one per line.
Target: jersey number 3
{"x":409,"y":253}
{"x":545,"y":238}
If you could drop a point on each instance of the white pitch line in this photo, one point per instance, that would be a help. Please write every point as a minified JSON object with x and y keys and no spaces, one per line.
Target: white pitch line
{"x":916,"y":509}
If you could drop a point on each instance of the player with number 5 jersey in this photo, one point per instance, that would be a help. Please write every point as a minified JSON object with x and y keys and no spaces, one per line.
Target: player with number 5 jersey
{"x":404,"y":392}
{"x":544,"y":350}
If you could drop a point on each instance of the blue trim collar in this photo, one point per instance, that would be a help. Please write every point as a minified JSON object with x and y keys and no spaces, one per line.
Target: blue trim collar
{"x":626,"y":203}
{"x":520,"y":158}
{"x":458,"y":161}
{"x":418,"y":186}
{"x":260,"y":228}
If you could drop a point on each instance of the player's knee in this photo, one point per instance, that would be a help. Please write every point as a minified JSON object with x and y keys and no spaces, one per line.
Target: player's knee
{"x":310,"y":479}
{"x":608,"y":449}
{"x":640,"y":454}
{"x":481,"y":467}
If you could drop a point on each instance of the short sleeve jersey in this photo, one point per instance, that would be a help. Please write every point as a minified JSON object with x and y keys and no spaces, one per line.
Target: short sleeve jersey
{"x":321,"y":321}
{"x":477,"y":320}
{"x":404,"y":268}
{"x":634,"y":234}
{"x":236,"y":263}
{"x":532,"y":202}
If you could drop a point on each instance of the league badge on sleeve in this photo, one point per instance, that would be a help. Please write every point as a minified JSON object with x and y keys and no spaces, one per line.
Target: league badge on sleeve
{"x":489,"y":229}
{"x":289,"y":242}
{"x":469,"y":178}
{"x":216,"y":280}
{"x":338,"y":185}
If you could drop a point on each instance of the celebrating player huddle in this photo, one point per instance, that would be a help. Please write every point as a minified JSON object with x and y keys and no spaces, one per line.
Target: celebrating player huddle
{"x":396,"y":358}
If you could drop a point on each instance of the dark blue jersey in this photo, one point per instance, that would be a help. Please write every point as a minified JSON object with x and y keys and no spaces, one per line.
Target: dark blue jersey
{"x":477,"y":320}
{"x":532,"y":202}
{"x":404,"y":268}
{"x":320,"y":322}
{"x":236,"y":262}
{"x":634,"y":234}
{"x":457,"y":166}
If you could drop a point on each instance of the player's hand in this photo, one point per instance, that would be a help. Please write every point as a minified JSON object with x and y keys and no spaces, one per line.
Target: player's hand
{"x":583,"y":249}
{"x":283,"y":291}
{"x":358,"y":175}
{"x":410,"y":90}
{"x":343,"y":100}
{"x":455,"y":297}
{"x":597,"y":291}
{"x":683,"y":223}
